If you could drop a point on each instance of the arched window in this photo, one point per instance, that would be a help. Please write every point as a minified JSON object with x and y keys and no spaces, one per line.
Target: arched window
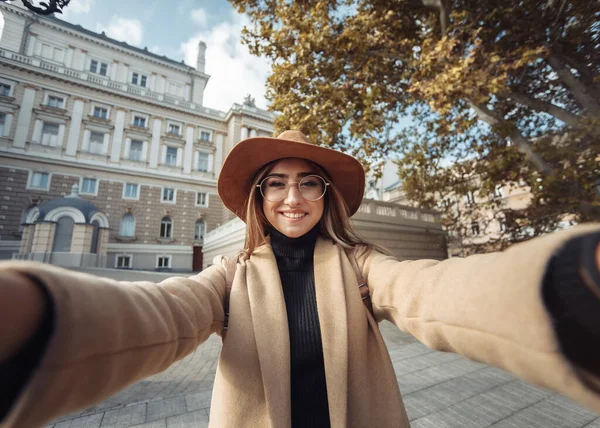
{"x":166,"y":228}
{"x":95,"y":233}
{"x":199,"y":230}
{"x":63,"y":235}
{"x":127,"y":225}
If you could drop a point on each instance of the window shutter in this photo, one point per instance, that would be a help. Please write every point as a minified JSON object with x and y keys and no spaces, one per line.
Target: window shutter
{"x":105,"y":143}
{"x":210,"y":162}
{"x":196,"y":158}
{"x":61,"y":135}
{"x":163,"y":155}
{"x":7,"y":123}
{"x":144,"y":150}
{"x":179,"y":156}
{"x":127,"y":147}
{"x":37,"y":132}
{"x":86,"y":140}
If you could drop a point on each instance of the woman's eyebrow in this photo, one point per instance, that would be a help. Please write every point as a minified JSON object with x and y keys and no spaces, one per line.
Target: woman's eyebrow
{"x":280,"y":175}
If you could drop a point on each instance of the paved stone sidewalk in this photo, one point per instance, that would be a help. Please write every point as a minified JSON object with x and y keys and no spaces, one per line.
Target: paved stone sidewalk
{"x":440,"y":390}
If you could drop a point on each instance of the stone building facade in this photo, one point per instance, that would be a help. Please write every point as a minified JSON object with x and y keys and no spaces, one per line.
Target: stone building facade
{"x":127,"y":127}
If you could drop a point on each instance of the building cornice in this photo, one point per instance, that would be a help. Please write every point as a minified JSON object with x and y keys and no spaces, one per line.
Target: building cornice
{"x":80,"y":163}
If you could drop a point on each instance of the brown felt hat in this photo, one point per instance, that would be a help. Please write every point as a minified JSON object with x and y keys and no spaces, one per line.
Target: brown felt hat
{"x":251,"y":154}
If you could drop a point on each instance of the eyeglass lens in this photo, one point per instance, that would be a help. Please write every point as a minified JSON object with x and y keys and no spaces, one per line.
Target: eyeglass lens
{"x":275,"y":189}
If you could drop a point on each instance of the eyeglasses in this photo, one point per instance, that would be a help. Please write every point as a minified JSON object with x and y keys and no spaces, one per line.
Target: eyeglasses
{"x":275,"y":189}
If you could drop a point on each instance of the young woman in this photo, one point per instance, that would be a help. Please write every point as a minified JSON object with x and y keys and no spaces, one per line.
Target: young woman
{"x":301,"y":349}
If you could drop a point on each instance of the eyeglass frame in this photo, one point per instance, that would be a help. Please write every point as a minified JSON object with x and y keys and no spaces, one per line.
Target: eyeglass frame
{"x":289,"y":185}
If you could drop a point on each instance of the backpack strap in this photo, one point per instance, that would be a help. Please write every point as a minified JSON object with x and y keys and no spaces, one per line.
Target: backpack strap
{"x":362,"y":282}
{"x":230,"y":268}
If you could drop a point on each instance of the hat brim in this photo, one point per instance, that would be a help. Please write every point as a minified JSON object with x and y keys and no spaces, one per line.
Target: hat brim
{"x":248,"y":156}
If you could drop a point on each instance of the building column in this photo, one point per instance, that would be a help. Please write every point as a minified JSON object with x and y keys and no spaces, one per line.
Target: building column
{"x":155,"y":145}
{"x":244,"y":133}
{"x":75,"y":127}
{"x":43,"y":239}
{"x":27,"y":239}
{"x":81,"y":242}
{"x":31,"y":40}
{"x":219,"y":154}
{"x":24,"y":119}
{"x":69,"y":56}
{"x":102,"y":250}
{"x":117,"y":143}
{"x":252,"y":133}
{"x":189,"y":148}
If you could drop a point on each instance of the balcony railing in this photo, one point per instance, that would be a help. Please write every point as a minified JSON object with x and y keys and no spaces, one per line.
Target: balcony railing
{"x":90,"y":78}
{"x":389,"y":209}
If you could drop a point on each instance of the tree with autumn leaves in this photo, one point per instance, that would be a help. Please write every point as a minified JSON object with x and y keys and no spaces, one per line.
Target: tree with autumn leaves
{"x":494,"y":93}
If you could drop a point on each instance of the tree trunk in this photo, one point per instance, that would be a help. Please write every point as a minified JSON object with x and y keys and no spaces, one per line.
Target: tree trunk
{"x":578,"y":89}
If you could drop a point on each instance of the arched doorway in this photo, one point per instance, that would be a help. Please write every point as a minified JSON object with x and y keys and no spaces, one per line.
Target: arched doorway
{"x":63,"y":235}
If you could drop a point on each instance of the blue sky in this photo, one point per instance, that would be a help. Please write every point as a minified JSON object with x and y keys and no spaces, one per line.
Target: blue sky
{"x":173,"y":28}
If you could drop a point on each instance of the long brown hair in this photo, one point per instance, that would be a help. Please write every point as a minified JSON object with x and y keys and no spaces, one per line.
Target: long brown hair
{"x":335,"y":222}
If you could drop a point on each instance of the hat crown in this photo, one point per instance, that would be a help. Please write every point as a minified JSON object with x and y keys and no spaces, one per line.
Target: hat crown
{"x":293,"y":135}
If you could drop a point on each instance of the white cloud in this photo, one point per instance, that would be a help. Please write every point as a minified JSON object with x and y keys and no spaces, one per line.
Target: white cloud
{"x":124,"y":30}
{"x":234,"y":72}
{"x":199,"y":17}
{"x":76,"y":7}
{"x":156,"y":49}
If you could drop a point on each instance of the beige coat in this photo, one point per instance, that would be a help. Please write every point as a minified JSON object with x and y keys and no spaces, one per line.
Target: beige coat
{"x":110,"y":334}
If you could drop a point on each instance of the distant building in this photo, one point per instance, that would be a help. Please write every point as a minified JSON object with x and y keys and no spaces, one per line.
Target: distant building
{"x":127,"y":128}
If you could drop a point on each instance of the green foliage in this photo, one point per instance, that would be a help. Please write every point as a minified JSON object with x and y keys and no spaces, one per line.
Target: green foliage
{"x":499,"y":92}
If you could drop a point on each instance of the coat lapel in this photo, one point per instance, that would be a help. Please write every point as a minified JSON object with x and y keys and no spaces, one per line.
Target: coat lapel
{"x":269,"y":319}
{"x":330,"y":279}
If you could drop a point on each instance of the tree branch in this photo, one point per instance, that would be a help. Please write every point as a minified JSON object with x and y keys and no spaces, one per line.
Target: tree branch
{"x":578,"y":89}
{"x":523,"y":145}
{"x":442,"y":7}
{"x":546,"y":107}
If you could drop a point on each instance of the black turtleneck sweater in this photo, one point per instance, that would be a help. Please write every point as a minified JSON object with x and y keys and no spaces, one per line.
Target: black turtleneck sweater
{"x":294,"y":256}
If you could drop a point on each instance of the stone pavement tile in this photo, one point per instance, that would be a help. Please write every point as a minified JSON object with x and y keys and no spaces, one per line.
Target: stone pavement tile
{"x":199,"y":400}
{"x":90,"y":421}
{"x":445,"y":394}
{"x":553,"y":412}
{"x":409,"y":351}
{"x":423,"y":361}
{"x":162,"y":409}
{"x":161,"y":423}
{"x":485,"y":409}
{"x":594,"y":424}
{"x":196,"y":419}
{"x":430,"y":376}
{"x":124,"y":416}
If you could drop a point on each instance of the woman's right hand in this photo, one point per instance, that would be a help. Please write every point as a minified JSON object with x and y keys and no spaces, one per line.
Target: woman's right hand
{"x":22,"y":306}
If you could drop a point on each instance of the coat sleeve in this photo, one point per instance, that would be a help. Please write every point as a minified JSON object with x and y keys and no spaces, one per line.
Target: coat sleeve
{"x":109,"y":334}
{"x":486,"y":307}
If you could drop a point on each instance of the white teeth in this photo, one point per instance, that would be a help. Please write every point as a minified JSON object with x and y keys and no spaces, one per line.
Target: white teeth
{"x":294,"y":215}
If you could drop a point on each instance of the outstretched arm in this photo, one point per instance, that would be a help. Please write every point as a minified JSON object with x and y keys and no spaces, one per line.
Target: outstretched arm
{"x":107,"y":332}
{"x":489,"y":308}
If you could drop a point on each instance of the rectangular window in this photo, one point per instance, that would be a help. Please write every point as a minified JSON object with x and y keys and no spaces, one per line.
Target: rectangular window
{"x":502,"y":225}
{"x":98,"y":67}
{"x":168,"y":195}
{"x":139,"y":121}
{"x":171,"y":157}
{"x":88,"y":185}
{"x":50,"y":134}
{"x":2,"y":123}
{"x":499,"y":191}
{"x":39,"y":180}
{"x":139,"y":79}
{"x":96,"y":142}
{"x":101,"y":112}
{"x":201,"y":199}
{"x":202,"y":161}
{"x":54,"y":101}
{"x":123,"y":262}
{"x":205,"y":136}
{"x":135,"y":150}
{"x":475,"y":229}
{"x":163,"y":262}
{"x":5,"y":89}
{"x":174,"y":129}
{"x":470,"y":198}
{"x":131,"y":191}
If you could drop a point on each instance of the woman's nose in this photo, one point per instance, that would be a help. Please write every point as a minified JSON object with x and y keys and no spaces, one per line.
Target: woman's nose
{"x":293,"y":196}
